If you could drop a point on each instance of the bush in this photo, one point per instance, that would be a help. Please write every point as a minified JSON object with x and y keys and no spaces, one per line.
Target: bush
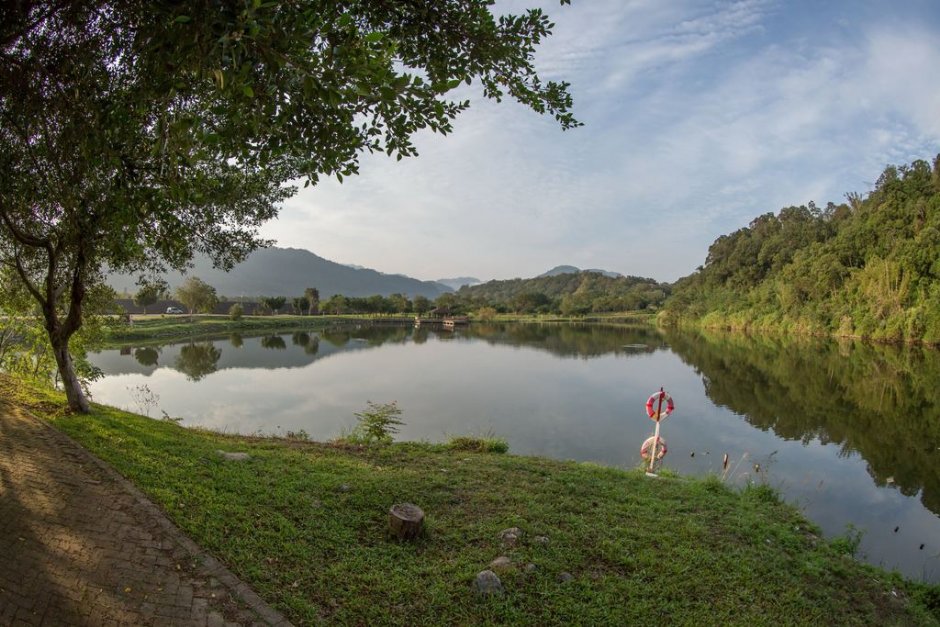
{"x":377,"y":424}
{"x":235,"y":312}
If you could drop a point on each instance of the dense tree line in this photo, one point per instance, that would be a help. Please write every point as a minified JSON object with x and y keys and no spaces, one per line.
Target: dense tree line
{"x":569,"y":294}
{"x":869,"y":267}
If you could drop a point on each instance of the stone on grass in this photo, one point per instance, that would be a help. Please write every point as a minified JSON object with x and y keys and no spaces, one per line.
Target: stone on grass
{"x":233,"y":457}
{"x":487,"y":583}
{"x":510,"y":536}
{"x":501,"y":563}
{"x":531,"y":568}
{"x":565,"y":577}
{"x":345,"y":487}
{"x":543,"y":540}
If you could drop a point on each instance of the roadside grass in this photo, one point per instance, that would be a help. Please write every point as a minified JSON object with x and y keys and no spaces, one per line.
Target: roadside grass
{"x":304,"y":524}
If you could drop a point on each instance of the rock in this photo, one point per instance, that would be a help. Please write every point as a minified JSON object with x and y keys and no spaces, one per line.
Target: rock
{"x":565,"y":577}
{"x":487,"y":583}
{"x":345,"y":487}
{"x":501,"y":563}
{"x":233,"y":457}
{"x":543,"y":540}
{"x":510,"y":536}
{"x":531,"y":568}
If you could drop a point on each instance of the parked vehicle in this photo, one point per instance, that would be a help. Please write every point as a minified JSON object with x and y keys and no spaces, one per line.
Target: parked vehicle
{"x":174,"y":310}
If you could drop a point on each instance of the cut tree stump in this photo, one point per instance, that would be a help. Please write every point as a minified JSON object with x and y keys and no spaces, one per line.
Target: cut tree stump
{"x":405,"y":521}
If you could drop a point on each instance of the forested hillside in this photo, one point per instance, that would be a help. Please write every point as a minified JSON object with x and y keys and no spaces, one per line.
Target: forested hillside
{"x":573,"y":293}
{"x":869,"y":267}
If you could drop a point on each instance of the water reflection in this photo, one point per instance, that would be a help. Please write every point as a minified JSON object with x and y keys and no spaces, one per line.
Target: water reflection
{"x":878,"y":401}
{"x":848,"y":431}
{"x":198,"y":360}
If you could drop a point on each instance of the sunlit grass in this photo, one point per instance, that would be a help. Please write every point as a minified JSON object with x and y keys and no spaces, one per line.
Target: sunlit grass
{"x":305,"y":524}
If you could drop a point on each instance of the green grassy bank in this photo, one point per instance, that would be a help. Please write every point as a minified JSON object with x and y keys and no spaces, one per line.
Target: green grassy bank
{"x":163,"y":327}
{"x":305,"y":525}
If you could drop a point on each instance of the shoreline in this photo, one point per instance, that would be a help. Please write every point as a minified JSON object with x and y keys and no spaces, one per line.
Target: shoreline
{"x":684,"y":549}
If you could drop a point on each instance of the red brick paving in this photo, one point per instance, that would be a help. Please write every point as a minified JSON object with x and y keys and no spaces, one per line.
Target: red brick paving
{"x":79,"y":545}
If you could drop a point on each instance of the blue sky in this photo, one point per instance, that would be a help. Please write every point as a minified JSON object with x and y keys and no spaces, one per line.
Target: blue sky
{"x":699,"y":115}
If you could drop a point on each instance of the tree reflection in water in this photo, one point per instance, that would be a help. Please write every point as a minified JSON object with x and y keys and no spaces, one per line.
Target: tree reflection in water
{"x":879,"y":401}
{"x":198,"y":360}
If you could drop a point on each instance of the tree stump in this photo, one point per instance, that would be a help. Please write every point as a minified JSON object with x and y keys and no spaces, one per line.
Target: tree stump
{"x":405,"y":521}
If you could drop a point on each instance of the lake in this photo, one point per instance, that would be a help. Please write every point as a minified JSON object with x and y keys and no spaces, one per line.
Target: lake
{"x":847,"y":431}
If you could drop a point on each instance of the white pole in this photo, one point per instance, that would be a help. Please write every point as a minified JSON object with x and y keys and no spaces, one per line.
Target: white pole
{"x":654,"y":447}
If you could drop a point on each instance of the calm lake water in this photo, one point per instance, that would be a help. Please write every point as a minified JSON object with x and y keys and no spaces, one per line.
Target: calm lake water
{"x":848,"y":432}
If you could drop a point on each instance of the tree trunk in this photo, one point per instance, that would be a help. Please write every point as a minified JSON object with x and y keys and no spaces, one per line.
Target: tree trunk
{"x":73,"y":388}
{"x":405,"y":521}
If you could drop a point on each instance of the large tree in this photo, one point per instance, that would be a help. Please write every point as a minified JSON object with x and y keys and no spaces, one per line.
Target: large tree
{"x":134,"y":134}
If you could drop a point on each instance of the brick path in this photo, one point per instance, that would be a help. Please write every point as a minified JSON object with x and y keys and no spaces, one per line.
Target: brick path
{"x":80,"y":546}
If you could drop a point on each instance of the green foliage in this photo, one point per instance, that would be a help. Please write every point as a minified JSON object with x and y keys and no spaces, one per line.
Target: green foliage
{"x":377,"y":424}
{"x":150,"y":292}
{"x":235,"y":312}
{"x":197,"y":295}
{"x":482,"y":444}
{"x":570,"y":294}
{"x":274,"y":303}
{"x":869,"y":268}
{"x":137,"y":135}
{"x":848,"y":543}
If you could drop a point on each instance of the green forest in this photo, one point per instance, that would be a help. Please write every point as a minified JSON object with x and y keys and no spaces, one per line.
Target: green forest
{"x":869,"y":267}
{"x":571,"y":294}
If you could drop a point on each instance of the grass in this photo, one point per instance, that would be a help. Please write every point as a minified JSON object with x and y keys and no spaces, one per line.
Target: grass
{"x":305,"y":523}
{"x":478,"y":444}
{"x":161,"y":327}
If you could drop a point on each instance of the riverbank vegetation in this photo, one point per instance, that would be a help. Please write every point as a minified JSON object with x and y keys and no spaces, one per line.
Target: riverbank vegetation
{"x":305,"y":524}
{"x":866,"y":268}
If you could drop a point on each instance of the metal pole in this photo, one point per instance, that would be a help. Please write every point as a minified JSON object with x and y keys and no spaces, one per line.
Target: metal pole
{"x":653,"y":449}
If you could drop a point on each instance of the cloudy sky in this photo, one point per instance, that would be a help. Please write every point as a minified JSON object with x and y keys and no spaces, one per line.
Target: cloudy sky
{"x":699,"y":115}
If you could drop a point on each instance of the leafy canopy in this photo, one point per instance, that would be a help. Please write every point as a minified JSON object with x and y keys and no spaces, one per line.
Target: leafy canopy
{"x":135,"y":134}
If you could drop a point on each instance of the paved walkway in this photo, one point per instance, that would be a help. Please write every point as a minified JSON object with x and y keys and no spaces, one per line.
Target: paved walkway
{"x":79,"y":545}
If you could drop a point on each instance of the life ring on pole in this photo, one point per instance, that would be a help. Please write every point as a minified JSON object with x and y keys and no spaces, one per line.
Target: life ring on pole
{"x":646,"y":449}
{"x":667,"y":405}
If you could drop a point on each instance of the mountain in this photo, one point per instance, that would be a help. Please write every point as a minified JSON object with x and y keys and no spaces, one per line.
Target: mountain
{"x":458,"y":282}
{"x":574,"y":270}
{"x":287,"y":272}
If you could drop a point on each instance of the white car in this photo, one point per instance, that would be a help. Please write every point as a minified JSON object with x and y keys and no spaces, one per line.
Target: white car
{"x":174,"y":310}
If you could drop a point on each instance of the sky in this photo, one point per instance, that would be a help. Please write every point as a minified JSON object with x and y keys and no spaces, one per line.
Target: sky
{"x":699,"y":115}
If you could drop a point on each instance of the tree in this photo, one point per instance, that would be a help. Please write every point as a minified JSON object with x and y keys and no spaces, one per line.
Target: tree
{"x":299,"y":303}
{"x":197,"y":295}
{"x":150,"y":292}
{"x":421,"y":304}
{"x":312,"y":295}
{"x":133,"y":135}
{"x":274,"y":303}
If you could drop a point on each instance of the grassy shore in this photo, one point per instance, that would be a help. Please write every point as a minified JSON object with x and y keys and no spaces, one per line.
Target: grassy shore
{"x":305,"y":524}
{"x":160,"y":327}
{"x":164,"y":327}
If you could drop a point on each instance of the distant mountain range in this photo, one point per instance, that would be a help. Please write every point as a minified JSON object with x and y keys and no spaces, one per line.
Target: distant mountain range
{"x":288,"y":272}
{"x":574,"y":270}
{"x":458,"y":282}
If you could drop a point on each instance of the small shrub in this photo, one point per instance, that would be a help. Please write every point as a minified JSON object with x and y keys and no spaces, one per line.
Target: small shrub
{"x":300,"y":434}
{"x":235,"y":312}
{"x":485,"y":444}
{"x":849,"y":543}
{"x":377,"y":424}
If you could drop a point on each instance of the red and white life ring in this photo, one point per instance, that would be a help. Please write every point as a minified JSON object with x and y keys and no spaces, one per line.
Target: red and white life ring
{"x":667,"y":405}
{"x":646,"y":449}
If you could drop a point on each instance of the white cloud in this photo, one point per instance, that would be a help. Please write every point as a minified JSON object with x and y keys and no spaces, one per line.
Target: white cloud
{"x":700,"y":116}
